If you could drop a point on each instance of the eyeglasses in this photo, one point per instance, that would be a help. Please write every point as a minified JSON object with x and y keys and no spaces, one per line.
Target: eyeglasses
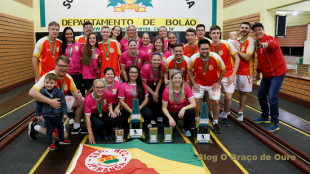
{"x":117,"y":30}
{"x":99,"y":87}
{"x":131,"y":30}
{"x":200,"y":30}
{"x":133,"y":72}
{"x":63,"y":66}
{"x":204,"y":49}
{"x":171,"y":37}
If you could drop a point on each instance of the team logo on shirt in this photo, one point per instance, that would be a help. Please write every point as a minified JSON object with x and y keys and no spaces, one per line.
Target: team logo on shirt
{"x":130,"y":4}
{"x":96,"y":56}
{"x":210,"y":67}
{"x":242,"y":85}
{"x":68,"y":99}
{"x":114,"y":91}
{"x":76,"y":48}
{"x":148,"y":51}
{"x":66,"y":88}
{"x":164,"y":58}
{"x":220,"y":53}
{"x":139,"y":60}
{"x":104,"y":101}
{"x":242,"y":49}
{"x":111,"y":50}
{"x":182,"y":69}
{"x":104,"y":161}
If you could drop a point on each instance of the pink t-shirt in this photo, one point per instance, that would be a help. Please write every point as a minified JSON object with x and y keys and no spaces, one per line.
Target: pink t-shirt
{"x":114,"y":92}
{"x":125,"y":92}
{"x":147,"y":74}
{"x":147,"y":49}
{"x":124,"y":44}
{"x":164,"y":56}
{"x":180,"y":104}
{"x":166,"y":41}
{"x":91,"y":71}
{"x":90,"y":106}
{"x":75,"y":67}
{"x":127,"y":60}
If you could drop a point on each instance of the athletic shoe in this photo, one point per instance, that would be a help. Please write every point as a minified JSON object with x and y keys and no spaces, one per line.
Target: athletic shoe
{"x":79,"y":130}
{"x":221,"y":111}
{"x":210,"y":118}
{"x":82,"y":120}
{"x":261,"y":120}
{"x":65,"y":141}
{"x":71,"y":121}
{"x":225,"y":122}
{"x":193,"y":127}
{"x":153,"y":122}
{"x":216,"y":128}
{"x":149,"y":125}
{"x":222,"y":115}
{"x":52,"y":147}
{"x":160,"y":119}
{"x":187,"y":133}
{"x":240,"y":117}
{"x":273,"y":127}
{"x":31,"y":132}
{"x":96,"y":137}
{"x":108,"y":137}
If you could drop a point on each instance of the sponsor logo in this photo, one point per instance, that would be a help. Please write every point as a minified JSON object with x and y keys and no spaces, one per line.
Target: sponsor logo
{"x":107,"y":160}
{"x":111,"y":50}
{"x":210,"y":67}
{"x":137,"y":5}
{"x":242,"y":85}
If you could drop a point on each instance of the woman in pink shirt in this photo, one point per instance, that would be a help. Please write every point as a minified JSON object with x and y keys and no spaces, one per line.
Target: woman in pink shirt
{"x":158,"y":46}
{"x":162,"y":31}
{"x":131,"y":33}
{"x":152,"y":75}
{"x":132,"y":57}
{"x":91,"y":60}
{"x":99,"y":113}
{"x":179,"y":103}
{"x":134,"y":88}
{"x":74,"y":51}
{"x":172,"y":37}
{"x":146,"y":45}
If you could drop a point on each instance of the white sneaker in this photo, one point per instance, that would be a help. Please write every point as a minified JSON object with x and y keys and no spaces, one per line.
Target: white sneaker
{"x":222,"y":115}
{"x":160,"y":119}
{"x":240,"y":117}
{"x":149,"y":125}
{"x":153,"y":122}
{"x":71,"y":121}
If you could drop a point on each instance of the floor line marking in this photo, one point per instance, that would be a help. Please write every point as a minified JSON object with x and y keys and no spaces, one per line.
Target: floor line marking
{"x":16,"y":109}
{"x":44,"y":155}
{"x":196,"y":152}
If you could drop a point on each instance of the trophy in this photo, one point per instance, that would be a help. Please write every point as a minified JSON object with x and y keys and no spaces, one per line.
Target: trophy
{"x":119,"y":136}
{"x":153,"y":135}
{"x":168,"y":135}
{"x":203,"y":125}
{"x":135,"y":122}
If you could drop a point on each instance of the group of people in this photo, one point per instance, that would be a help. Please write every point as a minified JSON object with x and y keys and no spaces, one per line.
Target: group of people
{"x":169,"y":78}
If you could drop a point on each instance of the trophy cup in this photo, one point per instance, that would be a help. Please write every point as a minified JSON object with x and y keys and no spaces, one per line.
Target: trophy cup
{"x":153,"y":135}
{"x":168,"y":135}
{"x":135,"y":122}
{"x":119,"y":136}
{"x":203,"y":125}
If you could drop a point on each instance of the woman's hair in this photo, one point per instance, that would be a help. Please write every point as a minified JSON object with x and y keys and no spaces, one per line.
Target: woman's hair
{"x":64,"y":40}
{"x":162,"y":27}
{"x":92,"y":88}
{"x":171,"y":88}
{"x":147,"y":34}
{"x":120,"y":36}
{"x":159,"y":74}
{"x":136,"y":35}
{"x":163,"y":49}
{"x":139,"y":85}
{"x":87,"y":54}
{"x":169,"y":45}
{"x":108,"y":69}
{"x":132,"y":40}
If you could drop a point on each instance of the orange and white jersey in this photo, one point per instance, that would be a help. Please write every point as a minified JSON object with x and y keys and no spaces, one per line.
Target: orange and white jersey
{"x":43,"y":51}
{"x":170,"y":64}
{"x":211,"y":75}
{"x":189,"y":51}
{"x":247,"y":46}
{"x":226,"y":51}
{"x":81,"y":39}
{"x":69,"y":83}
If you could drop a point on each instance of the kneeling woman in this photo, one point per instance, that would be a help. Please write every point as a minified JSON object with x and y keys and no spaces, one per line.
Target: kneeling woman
{"x":134,"y":88}
{"x":99,"y":112}
{"x":178,"y":103}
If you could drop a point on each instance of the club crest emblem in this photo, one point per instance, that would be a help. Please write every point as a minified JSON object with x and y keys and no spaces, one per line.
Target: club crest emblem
{"x":137,"y":5}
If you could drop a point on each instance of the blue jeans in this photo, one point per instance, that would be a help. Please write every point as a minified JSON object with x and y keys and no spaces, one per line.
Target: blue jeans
{"x":270,"y":86}
{"x":53,"y":122}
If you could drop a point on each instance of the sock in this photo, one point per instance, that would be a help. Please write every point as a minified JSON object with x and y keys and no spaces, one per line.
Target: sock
{"x":196,"y":119}
{"x":215,"y":121}
{"x":211,"y":113}
{"x":76,"y":125}
{"x":37,"y":128}
{"x":226,"y":114}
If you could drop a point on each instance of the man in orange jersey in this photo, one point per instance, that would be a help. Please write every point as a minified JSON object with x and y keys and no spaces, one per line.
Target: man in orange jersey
{"x":46,"y":51}
{"x":87,"y":28}
{"x":176,"y":62}
{"x":201,"y":31}
{"x":231,"y":59}
{"x":191,"y":47}
{"x":206,"y":66}
{"x":244,"y":78}
{"x":110,"y":53}
{"x":64,"y":83}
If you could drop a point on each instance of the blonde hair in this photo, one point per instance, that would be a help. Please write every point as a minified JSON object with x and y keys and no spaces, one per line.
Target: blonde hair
{"x":105,"y":26}
{"x":92,"y":88}
{"x":171,"y":88}
{"x":136,"y":35}
{"x":232,"y":33}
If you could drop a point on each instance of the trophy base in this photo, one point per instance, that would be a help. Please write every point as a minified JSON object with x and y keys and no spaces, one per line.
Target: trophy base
{"x":202,"y":141}
{"x":152,"y":142}
{"x":119,"y":142}
{"x":130,"y":137}
{"x":167,"y":142}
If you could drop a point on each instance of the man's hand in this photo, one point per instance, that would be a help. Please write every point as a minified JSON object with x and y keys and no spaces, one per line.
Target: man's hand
{"x":230,"y":79}
{"x":54,"y":103}
{"x":257,"y":76}
{"x":38,"y":77}
{"x":79,"y":96}
{"x":216,"y":86}
{"x":65,"y":116}
{"x":196,"y":88}
{"x":264,"y":45}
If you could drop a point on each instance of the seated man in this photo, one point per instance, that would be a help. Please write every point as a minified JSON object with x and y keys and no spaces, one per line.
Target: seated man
{"x":75,"y":102}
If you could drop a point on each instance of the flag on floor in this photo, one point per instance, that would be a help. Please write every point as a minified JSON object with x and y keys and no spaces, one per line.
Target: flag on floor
{"x":136,"y":157}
